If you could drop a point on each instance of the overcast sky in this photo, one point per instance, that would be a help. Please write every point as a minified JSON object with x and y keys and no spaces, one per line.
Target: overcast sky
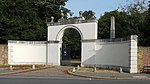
{"x":98,"y":6}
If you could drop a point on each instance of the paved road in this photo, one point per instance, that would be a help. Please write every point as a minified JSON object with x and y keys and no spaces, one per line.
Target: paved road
{"x":51,"y":80}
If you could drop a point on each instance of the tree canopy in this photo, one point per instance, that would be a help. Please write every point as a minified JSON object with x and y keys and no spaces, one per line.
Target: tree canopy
{"x":71,"y":40}
{"x":88,"y":15}
{"x":27,"y":19}
{"x":130,"y":20}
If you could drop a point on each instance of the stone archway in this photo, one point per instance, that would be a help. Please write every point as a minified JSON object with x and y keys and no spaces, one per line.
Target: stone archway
{"x":71,"y":48}
{"x":60,"y":35}
{"x":87,"y":31}
{"x":61,"y":32}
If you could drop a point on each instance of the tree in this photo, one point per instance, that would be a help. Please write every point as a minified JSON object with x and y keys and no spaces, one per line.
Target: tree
{"x":129,"y":21}
{"x":149,"y":9}
{"x":121,"y":24}
{"x":138,"y":15}
{"x":71,"y":40}
{"x":88,"y":15}
{"x":27,"y":19}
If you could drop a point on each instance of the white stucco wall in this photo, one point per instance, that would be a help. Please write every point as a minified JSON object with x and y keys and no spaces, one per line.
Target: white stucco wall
{"x":86,"y":30}
{"x":113,"y":53}
{"x":54,"y":53}
{"x":26,"y":52}
{"x":88,"y":53}
{"x":106,"y":53}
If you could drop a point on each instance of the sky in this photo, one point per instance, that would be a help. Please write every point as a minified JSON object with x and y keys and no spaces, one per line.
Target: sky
{"x":98,"y":6}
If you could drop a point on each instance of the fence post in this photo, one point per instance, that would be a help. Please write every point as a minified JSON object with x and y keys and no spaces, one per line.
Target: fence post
{"x":11,"y":67}
{"x":33,"y":66}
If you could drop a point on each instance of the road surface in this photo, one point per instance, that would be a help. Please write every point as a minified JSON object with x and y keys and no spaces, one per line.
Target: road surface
{"x":57,"y":80}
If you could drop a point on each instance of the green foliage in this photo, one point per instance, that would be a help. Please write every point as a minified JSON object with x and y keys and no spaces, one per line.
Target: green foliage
{"x":27,"y":19}
{"x":88,"y":14}
{"x":71,"y":40}
{"x":130,"y":20}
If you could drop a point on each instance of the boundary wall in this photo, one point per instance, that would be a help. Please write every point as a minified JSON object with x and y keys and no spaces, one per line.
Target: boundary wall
{"x":105,"y":53}
{"x":3,"y":54}
{"x":26,"y":52}
{"x":117,"y":54}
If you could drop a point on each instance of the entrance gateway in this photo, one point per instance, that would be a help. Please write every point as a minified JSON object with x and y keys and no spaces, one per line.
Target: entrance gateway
{"x":113,"y":53}
{"x":87,"y":30}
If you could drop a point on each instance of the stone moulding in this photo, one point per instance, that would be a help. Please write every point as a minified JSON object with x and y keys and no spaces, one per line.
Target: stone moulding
{"x":69,"y":21}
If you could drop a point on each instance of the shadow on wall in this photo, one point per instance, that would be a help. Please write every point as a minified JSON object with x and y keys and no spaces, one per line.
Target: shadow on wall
{"x":90,"y":62}
{"x":110,"y":56}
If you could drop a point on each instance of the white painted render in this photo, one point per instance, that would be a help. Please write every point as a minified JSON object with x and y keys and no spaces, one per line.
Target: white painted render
{"x":86,"y":30}
{"x":26,"y":53}
{"x":116,"y":53}
{"x":133,"y":54}
{"x":54,"y":53}
{"x":88,"y":53}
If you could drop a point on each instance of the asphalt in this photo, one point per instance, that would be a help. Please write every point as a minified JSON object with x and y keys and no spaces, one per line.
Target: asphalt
{"x":37,"y":80}
{"x":61,"y":71}
{"x":110,"y":75}
{"x":40,"y":80}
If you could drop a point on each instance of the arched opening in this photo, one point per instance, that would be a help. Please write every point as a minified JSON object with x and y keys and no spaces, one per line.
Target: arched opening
{"x":71,"y":48}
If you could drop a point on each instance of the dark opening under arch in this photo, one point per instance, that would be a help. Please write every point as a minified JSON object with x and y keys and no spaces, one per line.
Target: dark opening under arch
{"x":71,"y":47}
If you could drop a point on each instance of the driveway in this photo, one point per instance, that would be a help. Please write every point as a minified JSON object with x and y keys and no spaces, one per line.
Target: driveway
{"x":56,"y":71}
